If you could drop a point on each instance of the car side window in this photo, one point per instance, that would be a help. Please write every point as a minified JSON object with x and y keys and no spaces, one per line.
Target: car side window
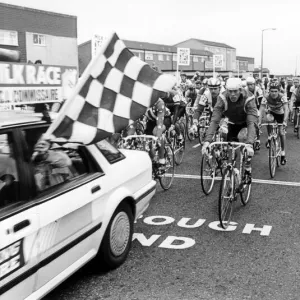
{"x":9,"y":179}
{"x":54,"y":164}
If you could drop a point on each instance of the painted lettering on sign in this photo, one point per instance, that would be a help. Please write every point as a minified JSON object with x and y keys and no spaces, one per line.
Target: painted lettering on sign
{"x":25,"y":83}
{"x":11,"y":258}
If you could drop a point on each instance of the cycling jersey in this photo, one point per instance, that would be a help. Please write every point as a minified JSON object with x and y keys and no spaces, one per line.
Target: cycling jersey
{"x":158,"y":108}
{"x":192,"y":94}
{"x":296,"y":97}
{"x":258,"y":94}
{"x":289,"y":91}
{"x":275,"y":105}
{"x":243,"y":111}
{"x":203,"y":101}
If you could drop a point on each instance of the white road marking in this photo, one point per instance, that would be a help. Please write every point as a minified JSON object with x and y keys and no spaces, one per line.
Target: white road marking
{"x":196,"y":146}
{"x":288,"y":183}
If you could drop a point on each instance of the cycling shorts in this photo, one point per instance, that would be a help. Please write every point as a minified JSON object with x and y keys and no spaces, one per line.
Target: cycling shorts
{"x":278,"y":117}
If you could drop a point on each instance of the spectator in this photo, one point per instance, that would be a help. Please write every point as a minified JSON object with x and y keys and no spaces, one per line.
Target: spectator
{"x":38,"y":62}
{"x":154,"y":67}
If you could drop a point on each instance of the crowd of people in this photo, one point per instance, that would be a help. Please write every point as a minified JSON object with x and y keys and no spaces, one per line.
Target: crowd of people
{"x":243,"y":103}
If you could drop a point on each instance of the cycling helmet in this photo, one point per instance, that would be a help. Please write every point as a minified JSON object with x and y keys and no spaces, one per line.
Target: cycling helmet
{"x":244,"y":83}
{"x":182,"y":74}
{"x":233,"y":84}
{"x":274,"y":85}
{"x":198,"y":82}
{"x":205,"y":80}
{"x":190,"y":86}
{"x":214,"y":82}
{"x":250,"y":80}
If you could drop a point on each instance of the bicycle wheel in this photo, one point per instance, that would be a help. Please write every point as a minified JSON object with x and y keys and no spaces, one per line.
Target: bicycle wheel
{"x":167,"y":175}
{"x":201,"y":131}
{"x":245,"y":188}
{"x":226,"y":198}
{"x":208,"y":172}
{"x":278,"y":151}
{"x":272,"y":157}
{"x":298,"y":129}
{"x":191,"y":137}
{"x":179,"y":147}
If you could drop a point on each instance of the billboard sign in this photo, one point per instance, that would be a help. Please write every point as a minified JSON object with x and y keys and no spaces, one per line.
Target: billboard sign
{"x":183,"y":55}
{"x":31,"y":84}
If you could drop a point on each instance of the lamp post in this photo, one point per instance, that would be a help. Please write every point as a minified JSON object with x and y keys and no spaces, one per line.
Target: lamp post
{"x":262,"y":49}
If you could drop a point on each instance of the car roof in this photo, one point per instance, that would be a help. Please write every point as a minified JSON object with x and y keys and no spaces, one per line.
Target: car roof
{"x":16,"y":118}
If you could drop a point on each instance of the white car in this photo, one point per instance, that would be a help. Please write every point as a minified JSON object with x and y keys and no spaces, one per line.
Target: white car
{"x":53,"y":218}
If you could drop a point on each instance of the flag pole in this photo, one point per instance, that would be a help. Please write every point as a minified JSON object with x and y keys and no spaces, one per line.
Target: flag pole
{"x":177,"y":70}
{"x":214,"y":67}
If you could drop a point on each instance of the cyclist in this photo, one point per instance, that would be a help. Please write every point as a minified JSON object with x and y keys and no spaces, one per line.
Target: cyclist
{"x":295,"y":100}
{"x":276,"y":107}
{"x":206,"y":101}
{"x":198,"y":86}
{"x":288,"y":91}
{"x":184,"y":83}
{"x":155,"y":125}
{"x":196,"y":77}
{"x":204,"y":86}
{"x":258,"y":94}
{"x":191,"y":94}
{"x":239,"y":107}
{"x":255,"y":90}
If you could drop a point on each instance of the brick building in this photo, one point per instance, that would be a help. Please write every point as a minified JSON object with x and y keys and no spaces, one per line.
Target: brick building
{"x":224,"y":51}
{"x":245,"y":64}
{"x":39,"y":35}
{"x":164,"y":56}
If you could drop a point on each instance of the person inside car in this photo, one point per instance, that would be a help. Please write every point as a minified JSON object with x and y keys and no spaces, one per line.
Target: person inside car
{"x":51,"y":166}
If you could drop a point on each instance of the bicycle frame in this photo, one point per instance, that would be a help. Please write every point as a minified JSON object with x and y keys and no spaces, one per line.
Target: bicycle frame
{"x":232,"y":163}
{"x":273,"y":137}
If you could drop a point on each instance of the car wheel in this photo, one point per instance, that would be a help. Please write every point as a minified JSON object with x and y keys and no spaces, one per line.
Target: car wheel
{"x":117,"y":239}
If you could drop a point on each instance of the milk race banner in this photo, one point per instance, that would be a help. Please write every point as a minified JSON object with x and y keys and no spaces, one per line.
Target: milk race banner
{"x":30,"y":84}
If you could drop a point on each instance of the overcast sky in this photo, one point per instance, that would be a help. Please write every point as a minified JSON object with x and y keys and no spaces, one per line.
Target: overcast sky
{"x":236,"y":23}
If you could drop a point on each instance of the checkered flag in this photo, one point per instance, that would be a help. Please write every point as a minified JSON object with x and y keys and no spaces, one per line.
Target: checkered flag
{"x":115,"y":90}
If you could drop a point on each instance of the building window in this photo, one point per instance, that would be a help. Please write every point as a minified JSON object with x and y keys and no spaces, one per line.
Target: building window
{"x":174,"y":57}
{"x":195,"y":58}
{"x":167,"y":57}
{"x":148,"y":56}
{"x":9,"y":38}
{"x":160,"y":57}
{"x":39,"y":39}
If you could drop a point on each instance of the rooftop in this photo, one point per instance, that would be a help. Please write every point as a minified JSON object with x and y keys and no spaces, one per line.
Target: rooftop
{"x":157,"y":47}
{"x":208,"y":43}
{"x":37,"y":10}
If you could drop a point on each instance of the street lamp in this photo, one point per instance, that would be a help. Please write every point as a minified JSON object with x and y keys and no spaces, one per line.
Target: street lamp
{"x":262,"y":49}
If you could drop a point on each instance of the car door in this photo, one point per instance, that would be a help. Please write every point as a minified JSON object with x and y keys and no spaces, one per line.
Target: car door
{"x":65,"y":237}
{"x":19,"y":223}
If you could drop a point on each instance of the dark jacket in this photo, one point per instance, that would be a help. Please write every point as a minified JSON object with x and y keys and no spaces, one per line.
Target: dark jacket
{"x":242,"y":111}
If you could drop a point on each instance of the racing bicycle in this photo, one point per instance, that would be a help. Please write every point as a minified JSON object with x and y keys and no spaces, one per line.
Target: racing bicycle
{"x":234,"y":181}
{"x":150,"y":144}
{"x":274,"y":147}
{"x":296,"y":114}
{"x":212,"y":163}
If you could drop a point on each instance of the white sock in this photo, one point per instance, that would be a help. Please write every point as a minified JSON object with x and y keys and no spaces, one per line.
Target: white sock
{"x":282,"y":153}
